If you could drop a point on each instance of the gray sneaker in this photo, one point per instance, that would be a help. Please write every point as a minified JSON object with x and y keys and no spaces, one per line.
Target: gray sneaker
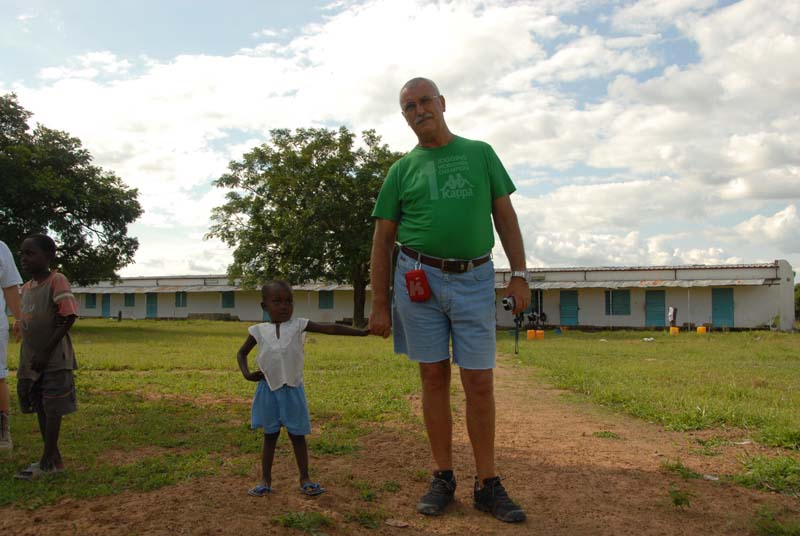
{"x":493,"y":498}
{"x":440,"y":494}
{"x":5,"y":433}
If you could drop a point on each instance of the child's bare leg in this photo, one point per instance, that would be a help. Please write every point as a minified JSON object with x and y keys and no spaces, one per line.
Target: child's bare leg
{"x":50,"y":427}
{"x":42,"y":418}
{"x":301,"y":455}
{"x":267,"y":456}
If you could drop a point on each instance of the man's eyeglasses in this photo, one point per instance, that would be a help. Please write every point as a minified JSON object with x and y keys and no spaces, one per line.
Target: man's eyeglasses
{"x":412,"y":106}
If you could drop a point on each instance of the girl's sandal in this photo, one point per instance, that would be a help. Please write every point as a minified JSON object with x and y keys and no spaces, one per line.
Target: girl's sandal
{"x":32,"y":472}
{"x":259,"y":491}
{"x":311,"y":488}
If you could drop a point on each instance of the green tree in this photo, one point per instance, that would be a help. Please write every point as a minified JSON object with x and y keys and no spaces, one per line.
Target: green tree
{"x":48,"y":184}
{"x":300,"y":209}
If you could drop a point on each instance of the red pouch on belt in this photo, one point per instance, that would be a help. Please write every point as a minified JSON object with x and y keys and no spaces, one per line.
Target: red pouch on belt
{"x":417,"y":285}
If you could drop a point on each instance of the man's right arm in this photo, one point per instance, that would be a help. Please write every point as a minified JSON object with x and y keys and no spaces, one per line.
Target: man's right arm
{"x":383,"y":240}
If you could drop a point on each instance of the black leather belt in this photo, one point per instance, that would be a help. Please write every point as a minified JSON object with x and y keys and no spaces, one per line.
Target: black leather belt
{"x":456,"y":266}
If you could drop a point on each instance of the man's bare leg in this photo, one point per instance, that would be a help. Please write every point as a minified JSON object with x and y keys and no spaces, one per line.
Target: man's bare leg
{"x":439,"y":425}
{"x":436,"y":412}
{"x":479,"y":390}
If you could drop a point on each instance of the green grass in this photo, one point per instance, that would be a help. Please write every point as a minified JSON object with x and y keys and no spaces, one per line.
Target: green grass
{"x":747,"y":380}
{"x":770,"y":523}
{"x":679,"y":498}
{"x":680,"y":469}
{"x":607,"y":434}
{"x":392,"y":486}
{"x":366,"y":518}
{"x":711,"y":446}
{"x":780,"y":474}
{"x":308,"y":522}
{"x":162,"y":402}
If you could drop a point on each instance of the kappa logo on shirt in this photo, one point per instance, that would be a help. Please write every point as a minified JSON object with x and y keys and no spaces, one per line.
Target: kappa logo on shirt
{"x":456,"y":187}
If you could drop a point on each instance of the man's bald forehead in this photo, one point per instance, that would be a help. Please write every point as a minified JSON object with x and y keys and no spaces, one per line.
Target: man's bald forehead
{"x":419,"y":80}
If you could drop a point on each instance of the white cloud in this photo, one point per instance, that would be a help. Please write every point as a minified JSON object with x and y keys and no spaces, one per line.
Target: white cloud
{"x":692,"y":142}
{"x":652,"y":15}
{"x":780,"y":228}
{"x":266,"y":32}
{"x":594,"y":56}
{"x":88,"y":65}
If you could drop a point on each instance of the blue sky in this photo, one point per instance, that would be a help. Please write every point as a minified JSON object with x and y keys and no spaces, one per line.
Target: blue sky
{"x":642,"y":132}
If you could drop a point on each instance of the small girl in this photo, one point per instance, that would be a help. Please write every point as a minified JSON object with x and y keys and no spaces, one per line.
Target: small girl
{"x":45,"y":383}
{"x":280,"y":399}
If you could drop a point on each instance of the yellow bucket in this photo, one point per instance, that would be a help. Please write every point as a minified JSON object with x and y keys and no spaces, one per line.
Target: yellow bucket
{"x":540,"y":334}
{"x":701,"y":329}
{"x":674,"y":330}
{"x":531,"y":334}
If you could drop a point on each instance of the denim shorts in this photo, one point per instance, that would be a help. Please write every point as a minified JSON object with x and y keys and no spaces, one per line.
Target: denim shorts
{"x":461,"y":310}
{"x":3,"y":354}
{"x":286,"y":407}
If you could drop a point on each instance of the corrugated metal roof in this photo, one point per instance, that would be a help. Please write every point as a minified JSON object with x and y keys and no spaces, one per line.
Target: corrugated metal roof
{"x":655,"y":283}
{"x":129,"y":289}
{"x":646,"y":268}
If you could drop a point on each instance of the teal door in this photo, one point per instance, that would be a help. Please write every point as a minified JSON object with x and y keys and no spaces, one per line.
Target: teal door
{"x":152,"y":305}
{"x":265,"y":315}
{"x":106,"y":306}
{"x":655,"y":309}
{"x":568,"y":307}
{"x":722,"y":307}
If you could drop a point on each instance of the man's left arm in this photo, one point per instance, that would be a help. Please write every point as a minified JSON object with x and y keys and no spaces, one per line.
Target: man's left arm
{"x":505,"y":221}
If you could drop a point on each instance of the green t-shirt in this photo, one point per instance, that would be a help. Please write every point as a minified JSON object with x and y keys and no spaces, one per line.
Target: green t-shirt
{"x":442,"y":198}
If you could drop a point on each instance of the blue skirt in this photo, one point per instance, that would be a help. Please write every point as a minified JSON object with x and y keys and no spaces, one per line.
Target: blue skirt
{"x":285,"y":407}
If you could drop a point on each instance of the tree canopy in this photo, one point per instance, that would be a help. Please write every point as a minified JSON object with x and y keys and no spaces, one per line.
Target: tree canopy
{"x":48,"y":184}
{"x":301,"y":209}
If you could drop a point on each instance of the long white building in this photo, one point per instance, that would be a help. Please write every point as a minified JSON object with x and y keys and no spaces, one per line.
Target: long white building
{"x":720,"y":296}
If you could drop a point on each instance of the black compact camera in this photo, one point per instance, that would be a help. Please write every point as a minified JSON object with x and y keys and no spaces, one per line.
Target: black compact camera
{"x":508,"y":303}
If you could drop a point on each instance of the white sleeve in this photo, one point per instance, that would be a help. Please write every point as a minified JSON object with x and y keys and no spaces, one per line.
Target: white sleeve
{"x":9,"y":275}
{"x":255,"y":332}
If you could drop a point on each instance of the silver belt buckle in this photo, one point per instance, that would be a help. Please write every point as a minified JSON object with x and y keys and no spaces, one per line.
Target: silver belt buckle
{"x":460,"y":263}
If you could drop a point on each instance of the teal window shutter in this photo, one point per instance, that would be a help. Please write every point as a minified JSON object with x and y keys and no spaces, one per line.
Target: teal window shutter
{"x":91,"y":301}
{"x":326,"y":299}
{"x":618,"y":303}
{"x":130,"y":300}
{"x":228,"y":300}
{"x":180,"y":299}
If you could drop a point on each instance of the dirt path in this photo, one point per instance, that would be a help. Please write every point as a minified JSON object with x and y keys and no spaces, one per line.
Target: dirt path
{"x":569,"y":481}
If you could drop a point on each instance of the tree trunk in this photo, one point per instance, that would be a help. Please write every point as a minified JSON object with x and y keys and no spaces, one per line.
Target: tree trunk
{"x":359,"y":296}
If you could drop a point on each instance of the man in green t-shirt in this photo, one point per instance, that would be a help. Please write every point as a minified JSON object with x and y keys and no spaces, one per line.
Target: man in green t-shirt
{"x":438,"y":202}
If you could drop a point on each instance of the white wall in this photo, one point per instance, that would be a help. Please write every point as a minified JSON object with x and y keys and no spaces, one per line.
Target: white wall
{"x":247,"y":305}
{"x":754,"y":306}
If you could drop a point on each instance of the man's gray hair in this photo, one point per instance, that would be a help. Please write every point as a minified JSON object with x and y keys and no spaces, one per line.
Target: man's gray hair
{"x":418,"y":80}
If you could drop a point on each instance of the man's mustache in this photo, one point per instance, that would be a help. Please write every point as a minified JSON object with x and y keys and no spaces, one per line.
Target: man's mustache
{"x":423,"y":117}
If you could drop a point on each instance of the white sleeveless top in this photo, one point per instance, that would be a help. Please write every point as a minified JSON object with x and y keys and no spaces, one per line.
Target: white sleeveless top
{"x":281,"y":359}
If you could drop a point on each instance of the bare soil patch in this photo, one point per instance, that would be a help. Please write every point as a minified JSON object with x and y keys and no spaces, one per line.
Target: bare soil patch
{"x":570,"y":481}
